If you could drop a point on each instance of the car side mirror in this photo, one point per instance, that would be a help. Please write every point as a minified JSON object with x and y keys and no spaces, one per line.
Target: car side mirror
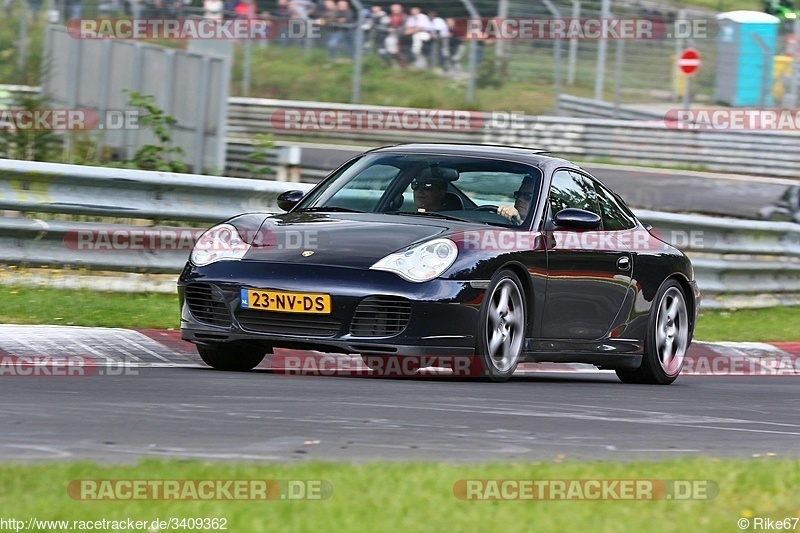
{"x":648,"y":227}
{"x":289,"y":199}
{"x":576,"y":219}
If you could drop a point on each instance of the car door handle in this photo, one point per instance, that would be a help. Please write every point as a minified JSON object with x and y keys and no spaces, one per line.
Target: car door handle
{"x":624,"y":263}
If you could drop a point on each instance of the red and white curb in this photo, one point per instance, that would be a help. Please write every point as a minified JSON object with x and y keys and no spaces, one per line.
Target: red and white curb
{"x":150,"y":347}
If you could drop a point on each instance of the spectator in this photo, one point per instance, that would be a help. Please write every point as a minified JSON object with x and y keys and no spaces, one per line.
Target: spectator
{"x":440,"y":34}
{"x":376,"y":25}
{"x":327,"y":17}
{"x":156,"y":9}
{"x":282,"y":11}
{"x":229,"y":6}
{"x":303,"y":9}
{"x":341,"y":34}
{"x":418,"y":27}
{"x":391,"y":45}
{"x":457,"y":47}
{"x":212,"y":9}
{"x":75,"y":8}
{"x":136,"y":8}
{"x":177,"y":8}
{"x":245,"y":9}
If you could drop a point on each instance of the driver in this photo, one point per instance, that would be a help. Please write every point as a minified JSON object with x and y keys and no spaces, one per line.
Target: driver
{"x":428,"y":192}
{"x":523,"y":198}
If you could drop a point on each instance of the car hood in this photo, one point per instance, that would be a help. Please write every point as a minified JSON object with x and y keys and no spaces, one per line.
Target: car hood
{"x":356,"y":240}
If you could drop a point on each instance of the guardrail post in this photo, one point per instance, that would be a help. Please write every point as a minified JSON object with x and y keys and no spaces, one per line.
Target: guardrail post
{"x":289,"y":158}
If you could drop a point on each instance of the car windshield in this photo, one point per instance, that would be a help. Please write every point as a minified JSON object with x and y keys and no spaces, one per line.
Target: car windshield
{"x":456,"y":187}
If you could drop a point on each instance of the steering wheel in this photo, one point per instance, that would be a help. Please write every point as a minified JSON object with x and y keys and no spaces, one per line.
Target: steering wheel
{"x":487,"y":207}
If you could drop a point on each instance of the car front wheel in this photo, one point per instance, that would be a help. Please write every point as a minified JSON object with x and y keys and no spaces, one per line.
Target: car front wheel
{"x":667,"y":339}
{"x":236,"y":357}
{"x":502,"y":320}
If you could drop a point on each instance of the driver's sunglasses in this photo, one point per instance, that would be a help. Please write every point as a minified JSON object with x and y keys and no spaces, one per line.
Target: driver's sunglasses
{"x":527,"y":195}
{"x":425,"y":185}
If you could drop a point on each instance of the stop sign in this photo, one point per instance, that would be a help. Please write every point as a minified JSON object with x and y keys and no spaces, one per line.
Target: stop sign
{"x":689,"y":61}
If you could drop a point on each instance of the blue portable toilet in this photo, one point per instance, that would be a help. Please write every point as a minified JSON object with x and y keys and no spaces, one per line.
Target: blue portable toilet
{"x":746,"y":46}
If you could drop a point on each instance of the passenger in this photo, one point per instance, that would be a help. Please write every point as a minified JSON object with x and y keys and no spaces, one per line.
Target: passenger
{"x":523,"y":199}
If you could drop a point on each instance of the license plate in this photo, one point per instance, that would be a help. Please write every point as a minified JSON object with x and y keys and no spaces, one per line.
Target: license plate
{"x":286,"y":302}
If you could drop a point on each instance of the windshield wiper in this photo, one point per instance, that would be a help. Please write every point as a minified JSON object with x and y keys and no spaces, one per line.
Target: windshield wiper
{"x":429,"y":214}
{"x":332,"y":208}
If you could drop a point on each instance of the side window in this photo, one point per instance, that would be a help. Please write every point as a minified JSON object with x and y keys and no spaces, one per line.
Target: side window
{"x":570,"y":190}
{"x":615,"y":215}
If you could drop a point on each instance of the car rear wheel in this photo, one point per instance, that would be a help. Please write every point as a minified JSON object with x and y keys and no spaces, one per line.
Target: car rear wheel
{"x":502,"y":321}
{"x":667,"y":339}
{"x":236,"y":357}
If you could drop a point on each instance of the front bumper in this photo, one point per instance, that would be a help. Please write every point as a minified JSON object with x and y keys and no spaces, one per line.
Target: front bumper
{"x":443,"y":316}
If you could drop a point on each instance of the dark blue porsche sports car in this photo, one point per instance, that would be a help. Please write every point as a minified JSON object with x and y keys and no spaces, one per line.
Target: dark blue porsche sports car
{"x":500,"y":254}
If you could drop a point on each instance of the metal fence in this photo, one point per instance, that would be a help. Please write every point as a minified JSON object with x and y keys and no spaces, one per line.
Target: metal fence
{"x":636,"y":70}
{"x":743,"y":259}
{"x":190,"y":87}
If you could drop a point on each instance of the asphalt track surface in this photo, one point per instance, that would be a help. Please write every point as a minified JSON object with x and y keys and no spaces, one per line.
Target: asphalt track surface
{"x":644,"y":188}
{"x":146,"y":394}
{"x":196,"y":412}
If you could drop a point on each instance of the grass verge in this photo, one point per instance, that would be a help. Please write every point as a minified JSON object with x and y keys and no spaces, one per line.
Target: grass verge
{"x":420,"y":497}
{"x":24,"y":305}
{"x":776,"y":324}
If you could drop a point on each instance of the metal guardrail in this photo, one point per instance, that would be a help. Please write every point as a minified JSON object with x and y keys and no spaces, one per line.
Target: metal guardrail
{"x":731,"y":257}
{"x":83,"y":190}
{"x":575,"y":106}
{"x":773,"y":153}
{"x":648,"y":141}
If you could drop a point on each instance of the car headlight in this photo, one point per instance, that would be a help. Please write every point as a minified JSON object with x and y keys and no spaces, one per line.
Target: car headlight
{"x":220,"y":243}
{"x":422,"y":262}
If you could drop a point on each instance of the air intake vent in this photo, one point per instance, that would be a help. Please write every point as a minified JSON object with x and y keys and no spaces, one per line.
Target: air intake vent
{"x":380,"y":316}
{"x":288,"y":323}
{"x":207,"y":304}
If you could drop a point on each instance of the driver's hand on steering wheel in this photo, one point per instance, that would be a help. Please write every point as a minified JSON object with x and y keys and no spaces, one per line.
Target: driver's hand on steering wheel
{"x":510,"y":212}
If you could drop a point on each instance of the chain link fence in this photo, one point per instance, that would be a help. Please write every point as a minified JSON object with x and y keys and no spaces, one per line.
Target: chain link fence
{"x":348,"y":35}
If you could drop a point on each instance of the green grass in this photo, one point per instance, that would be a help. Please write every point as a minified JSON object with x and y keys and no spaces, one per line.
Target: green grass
{"x":754,"y":325}
{"x":419,"y":497}
{"x":22,"y":305}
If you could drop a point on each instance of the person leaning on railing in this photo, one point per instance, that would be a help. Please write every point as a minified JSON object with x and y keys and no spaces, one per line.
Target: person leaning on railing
{"x":245,"y":9}
{"x":341,"y":34}
{"x":212,"y":9}
{"x":440,"y":36}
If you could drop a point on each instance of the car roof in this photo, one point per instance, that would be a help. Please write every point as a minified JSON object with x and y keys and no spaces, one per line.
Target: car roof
{"x":532,"y":156}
